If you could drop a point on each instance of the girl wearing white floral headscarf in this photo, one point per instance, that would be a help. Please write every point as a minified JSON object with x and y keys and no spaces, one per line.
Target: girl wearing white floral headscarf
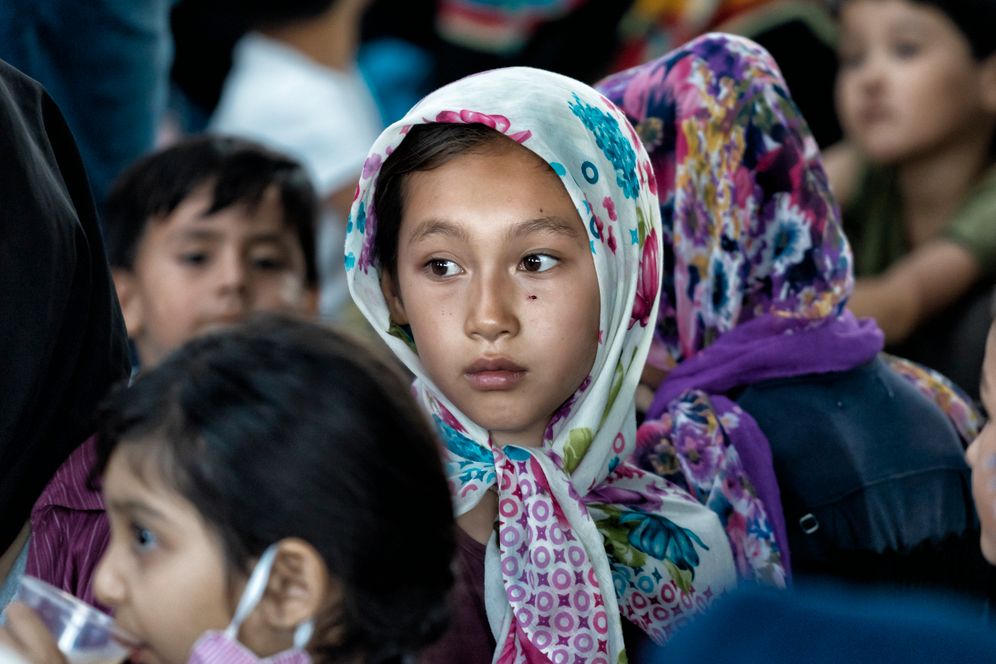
{"x":505,"y":243}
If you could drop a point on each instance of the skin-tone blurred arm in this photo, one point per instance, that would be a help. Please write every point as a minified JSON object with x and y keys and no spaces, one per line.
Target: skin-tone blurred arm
{"x":651,"y":378}
{"x":25,"y":634}
{"x":916,"y":287}
{"x":842,"y":164}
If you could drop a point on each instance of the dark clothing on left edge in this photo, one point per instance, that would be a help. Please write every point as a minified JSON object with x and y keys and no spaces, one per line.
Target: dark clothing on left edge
{"x":62,"y":337}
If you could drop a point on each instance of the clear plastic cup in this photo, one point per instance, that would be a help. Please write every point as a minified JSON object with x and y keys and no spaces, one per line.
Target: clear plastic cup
{"x":84,"y":634}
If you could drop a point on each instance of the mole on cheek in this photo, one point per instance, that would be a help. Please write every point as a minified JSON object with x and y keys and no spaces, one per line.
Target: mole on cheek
{"x":532,"y":297}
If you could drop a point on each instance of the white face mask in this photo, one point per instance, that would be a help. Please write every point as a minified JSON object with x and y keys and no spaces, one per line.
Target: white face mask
{"x":216,"y":647}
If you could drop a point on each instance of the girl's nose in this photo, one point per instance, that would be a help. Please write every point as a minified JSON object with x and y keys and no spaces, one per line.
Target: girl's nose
{"x":871,"y":74}
{"x":108,"y":586}
{"x":491,"y":311}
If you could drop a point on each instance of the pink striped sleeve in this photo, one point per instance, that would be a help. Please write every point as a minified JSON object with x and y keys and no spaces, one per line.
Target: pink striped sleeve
{"x":69,"y":529}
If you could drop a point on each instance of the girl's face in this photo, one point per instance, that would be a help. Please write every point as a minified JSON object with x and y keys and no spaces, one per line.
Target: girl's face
{"x":163,"y":573}
{"x":907,"y":84}
{"x":982,"y":455}
{"x":496,"y":279}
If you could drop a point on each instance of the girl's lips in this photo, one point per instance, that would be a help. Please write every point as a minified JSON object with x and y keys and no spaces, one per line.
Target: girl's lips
{"x":874,"y":114}
{"x":139,"y":655}
{"x":491,"y":374}
{"x":488,"y":381}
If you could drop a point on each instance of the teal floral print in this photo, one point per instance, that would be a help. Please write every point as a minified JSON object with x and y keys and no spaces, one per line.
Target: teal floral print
{"x":610,"y":140}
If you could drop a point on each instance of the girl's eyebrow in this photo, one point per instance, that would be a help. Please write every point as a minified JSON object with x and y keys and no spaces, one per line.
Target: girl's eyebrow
{"x":431,"y":227}
{"x":551,"y":225}
{"x":136,"y":507}
{"x":547,"y":224}
{"x":909,"y":25}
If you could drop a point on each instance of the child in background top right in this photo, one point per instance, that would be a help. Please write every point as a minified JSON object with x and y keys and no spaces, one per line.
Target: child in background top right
{"x":916,"y":94}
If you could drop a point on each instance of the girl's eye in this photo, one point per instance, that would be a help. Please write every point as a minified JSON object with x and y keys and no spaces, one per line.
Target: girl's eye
{"x":144,"y":539}
{"x":538,"y":262}
{"x":441,"y":267}
{"x":195,"y":258}
{"x":905,"y":50}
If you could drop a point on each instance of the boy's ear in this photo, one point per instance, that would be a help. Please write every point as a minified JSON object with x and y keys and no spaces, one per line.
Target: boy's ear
{"x":392,"y":295}
{"x":989,"y":83}
{"x":132,"y":302}
{"x":298,"y":589}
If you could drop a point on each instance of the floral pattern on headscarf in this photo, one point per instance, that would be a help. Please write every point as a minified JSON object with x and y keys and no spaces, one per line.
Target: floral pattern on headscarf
{"x":749,"y":230}
{"x":941,"y":390}
{"x":756,"y":276}
{"x":750,"y":225}
{"x":582,"y":535}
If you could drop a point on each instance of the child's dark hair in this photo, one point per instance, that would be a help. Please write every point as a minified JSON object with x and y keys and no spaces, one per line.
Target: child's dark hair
{"x":280,"y":428}
{"x":241,"y":171}
{"x":426,"y":146}
{"x":975,"y":19}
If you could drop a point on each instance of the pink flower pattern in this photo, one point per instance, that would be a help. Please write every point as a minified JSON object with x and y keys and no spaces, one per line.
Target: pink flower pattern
{"x":496,"y":122}
{"x":649,"y":284}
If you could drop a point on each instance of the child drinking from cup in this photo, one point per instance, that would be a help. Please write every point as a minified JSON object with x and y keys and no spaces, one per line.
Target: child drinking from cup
{"x":283,"y":448}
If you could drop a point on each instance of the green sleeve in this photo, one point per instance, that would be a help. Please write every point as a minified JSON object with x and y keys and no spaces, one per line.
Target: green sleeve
{"x":872,"y":223}
{"x":974,"y":225}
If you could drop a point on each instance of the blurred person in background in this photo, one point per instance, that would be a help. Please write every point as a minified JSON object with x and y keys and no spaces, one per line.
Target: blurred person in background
{"x":788,"y":29}
{"x":206,"y":232}
{"x":294,"y":86}
{"x":916,"y":94}
{"x":107,"y":66}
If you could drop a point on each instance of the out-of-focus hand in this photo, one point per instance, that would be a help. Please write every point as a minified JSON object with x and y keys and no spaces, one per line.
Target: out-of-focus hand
{"x":650,"y":379}
{"x":26,"y":635}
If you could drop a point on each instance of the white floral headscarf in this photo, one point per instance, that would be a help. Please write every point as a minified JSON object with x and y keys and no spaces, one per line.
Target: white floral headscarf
{"x":582,"y":535}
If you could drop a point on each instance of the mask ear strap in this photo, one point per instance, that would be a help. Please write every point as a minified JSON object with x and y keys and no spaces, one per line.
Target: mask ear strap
{"x":303,"y":634}
{"x":255,"y":588}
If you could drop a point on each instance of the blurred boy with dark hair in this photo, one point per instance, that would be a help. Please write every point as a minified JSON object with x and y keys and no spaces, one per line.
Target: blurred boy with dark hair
{"x":205,"y":233}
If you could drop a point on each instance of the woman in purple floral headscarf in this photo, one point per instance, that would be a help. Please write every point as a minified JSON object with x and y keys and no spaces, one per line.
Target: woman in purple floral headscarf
{"x":775,"y":405}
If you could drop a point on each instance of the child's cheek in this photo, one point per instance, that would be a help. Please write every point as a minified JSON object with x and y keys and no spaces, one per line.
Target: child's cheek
{"x":984,"y":485}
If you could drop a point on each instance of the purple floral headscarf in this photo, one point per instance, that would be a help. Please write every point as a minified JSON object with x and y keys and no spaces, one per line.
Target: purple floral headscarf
{"x":756,"y":266}
{"x":756,"y":275}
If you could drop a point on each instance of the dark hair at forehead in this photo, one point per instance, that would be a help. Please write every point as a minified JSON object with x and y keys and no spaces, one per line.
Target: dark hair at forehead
{"x":975,"y":19}
{"x":425,"y":147}
{"x":279,"y":428}
{"x":239,"y":172}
